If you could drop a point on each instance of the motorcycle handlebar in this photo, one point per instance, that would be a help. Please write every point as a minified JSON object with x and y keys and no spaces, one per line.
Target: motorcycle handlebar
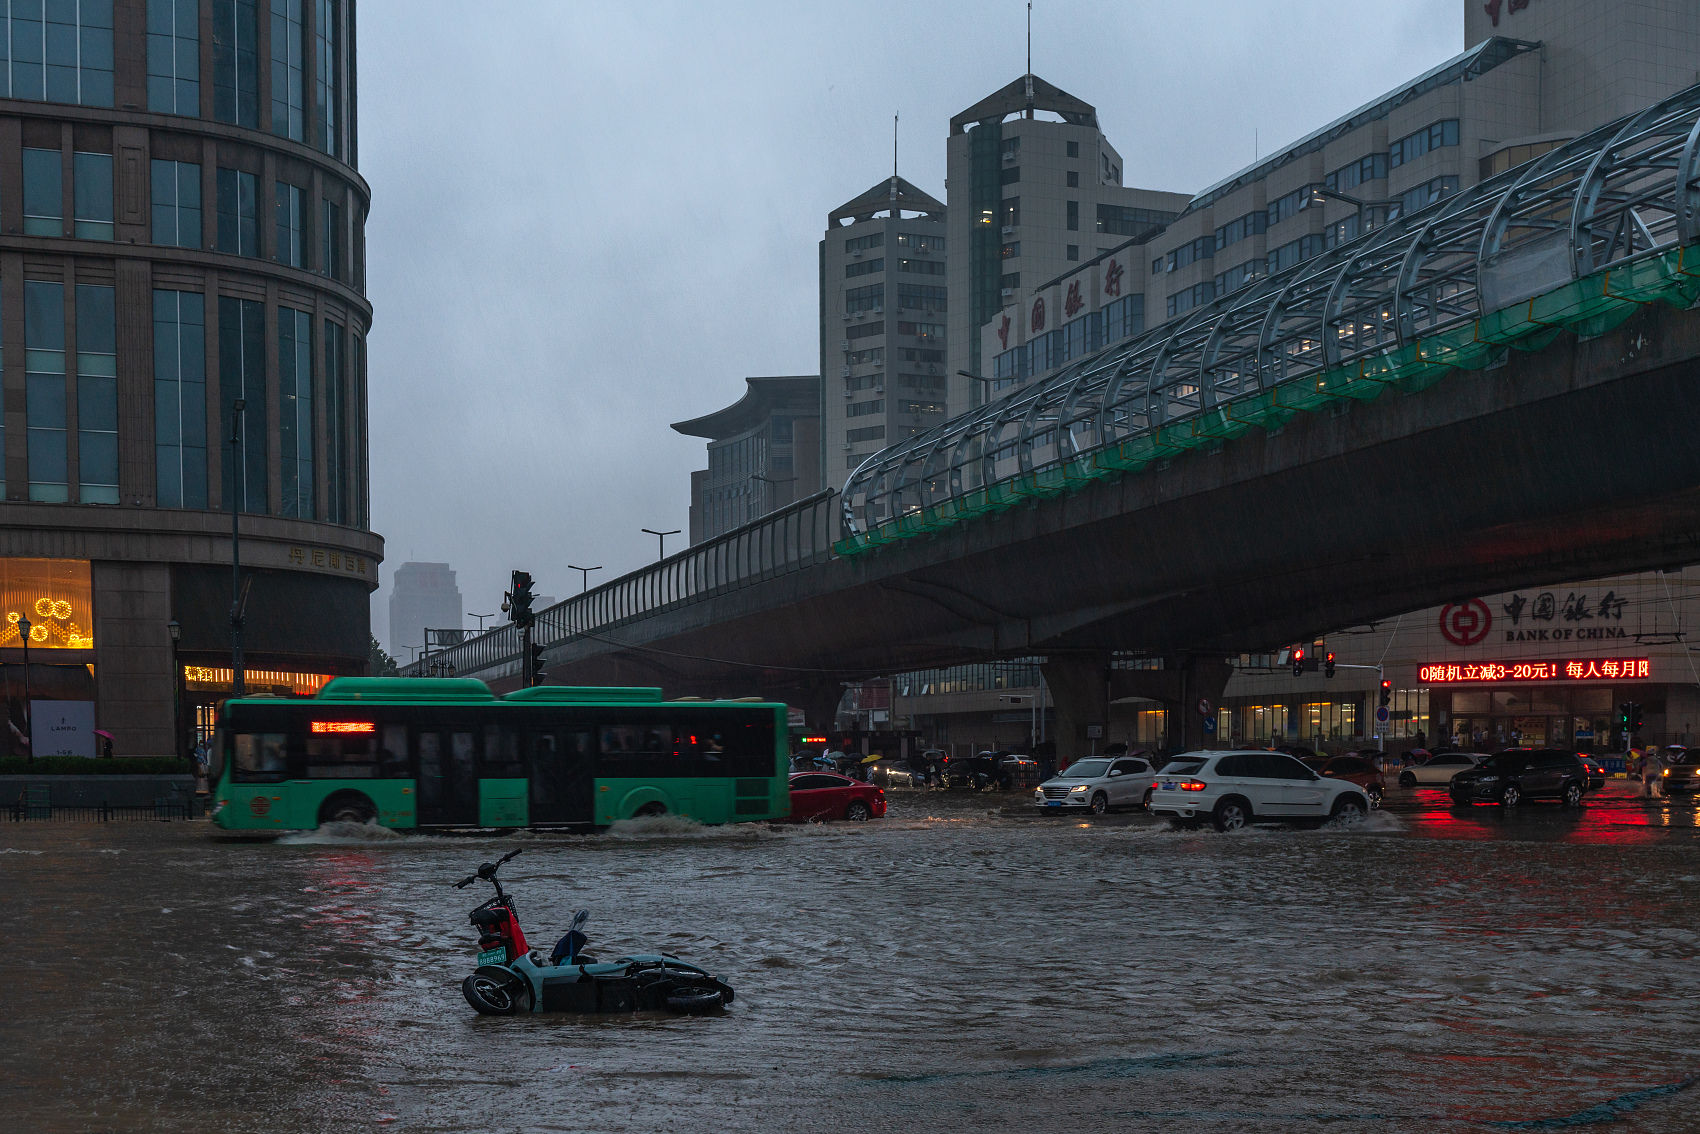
{"x":491,"y":867}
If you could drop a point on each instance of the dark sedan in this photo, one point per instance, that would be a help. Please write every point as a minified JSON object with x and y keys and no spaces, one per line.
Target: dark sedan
{"x":819,"y":796}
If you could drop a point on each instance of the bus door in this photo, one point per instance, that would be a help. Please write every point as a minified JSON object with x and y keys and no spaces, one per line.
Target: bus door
{"x":562,"y":777}
{"x":448,"y":777}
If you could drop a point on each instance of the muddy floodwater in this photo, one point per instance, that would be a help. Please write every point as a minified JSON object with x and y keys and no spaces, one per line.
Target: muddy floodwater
{"x":949,"y":968}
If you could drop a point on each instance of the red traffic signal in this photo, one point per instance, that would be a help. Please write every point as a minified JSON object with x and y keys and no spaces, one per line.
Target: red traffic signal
{"x":1298,"y":661}
{"x":1328,"y":664}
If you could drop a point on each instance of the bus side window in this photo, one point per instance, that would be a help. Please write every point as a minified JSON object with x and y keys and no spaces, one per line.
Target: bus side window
{"x":261,"y":757}
{"x":501,"y":754}
{"x":341,"y":756}
{"x":393,"y":759}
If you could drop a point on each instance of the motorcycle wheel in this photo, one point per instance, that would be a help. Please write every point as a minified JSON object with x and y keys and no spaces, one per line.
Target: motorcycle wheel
{"x":490,"y":996}
{"x":693,"y":1001}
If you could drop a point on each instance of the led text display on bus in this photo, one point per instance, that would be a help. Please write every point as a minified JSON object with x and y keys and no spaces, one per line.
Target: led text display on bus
{"x":1568,"y":669}
{"x":343,"y":726}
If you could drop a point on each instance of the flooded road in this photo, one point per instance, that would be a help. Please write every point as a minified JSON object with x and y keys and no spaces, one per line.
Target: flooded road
{"x":948,"y":968}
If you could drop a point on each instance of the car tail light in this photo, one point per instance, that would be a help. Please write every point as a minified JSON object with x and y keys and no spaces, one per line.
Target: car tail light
{"x":1192,"y":785}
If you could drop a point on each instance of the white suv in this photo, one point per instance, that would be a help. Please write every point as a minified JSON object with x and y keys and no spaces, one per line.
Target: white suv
{"x":1097,"y":783}
{"x":1231,"y":789}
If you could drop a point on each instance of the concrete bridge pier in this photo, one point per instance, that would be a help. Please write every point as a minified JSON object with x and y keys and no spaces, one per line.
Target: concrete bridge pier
{"x":818,"y":699}
{"x":1080,"y":691}
{"x":1185,"y":682}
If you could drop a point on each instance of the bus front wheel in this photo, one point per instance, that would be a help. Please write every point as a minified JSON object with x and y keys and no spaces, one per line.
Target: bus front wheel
{"x":347,"y":807}
{"x":653,"y":807}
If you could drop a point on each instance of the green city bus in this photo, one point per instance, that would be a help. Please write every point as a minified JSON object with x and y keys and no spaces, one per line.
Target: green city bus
{"x":426,"y":752}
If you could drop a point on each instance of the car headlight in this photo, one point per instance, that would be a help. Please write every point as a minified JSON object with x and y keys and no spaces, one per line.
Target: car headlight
{"x":1077,"y":787}
{"x":1666,"y":772}
{"x":1486,"y":779}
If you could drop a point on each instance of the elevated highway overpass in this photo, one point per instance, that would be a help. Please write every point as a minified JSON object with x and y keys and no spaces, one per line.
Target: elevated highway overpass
{"x":1498,"y":390}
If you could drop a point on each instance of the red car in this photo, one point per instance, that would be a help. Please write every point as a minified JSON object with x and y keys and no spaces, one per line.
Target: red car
{"x":1352,"y":768}
{"x":828,"y":795}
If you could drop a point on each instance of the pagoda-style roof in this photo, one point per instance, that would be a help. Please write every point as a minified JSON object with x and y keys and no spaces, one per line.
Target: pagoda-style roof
{"x":891,"y":193}
{"x":763,"y":395}
{"x":1013,"y":98}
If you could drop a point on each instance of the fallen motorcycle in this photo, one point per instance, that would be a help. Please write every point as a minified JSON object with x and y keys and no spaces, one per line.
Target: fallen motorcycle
{"x":512,"y":978}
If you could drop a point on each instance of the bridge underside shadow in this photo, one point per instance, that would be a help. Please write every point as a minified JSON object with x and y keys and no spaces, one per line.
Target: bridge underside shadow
{"x":1574,"y":461}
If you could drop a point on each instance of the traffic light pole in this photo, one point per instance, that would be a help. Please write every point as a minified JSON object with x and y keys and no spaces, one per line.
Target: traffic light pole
{"x":526,"y":674}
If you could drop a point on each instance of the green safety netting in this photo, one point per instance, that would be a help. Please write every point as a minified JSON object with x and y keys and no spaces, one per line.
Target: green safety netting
{"x":1587,"y":307}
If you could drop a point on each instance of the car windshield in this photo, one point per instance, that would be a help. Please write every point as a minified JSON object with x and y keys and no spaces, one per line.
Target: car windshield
{"x":1183,"y":766}
{"x":1683,"y":757}
{"x":1086,"y":769}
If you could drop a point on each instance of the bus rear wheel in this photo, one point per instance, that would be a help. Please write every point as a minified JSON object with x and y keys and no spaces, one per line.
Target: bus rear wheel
{"x":347,"y":807}
{"x":653,"y":807}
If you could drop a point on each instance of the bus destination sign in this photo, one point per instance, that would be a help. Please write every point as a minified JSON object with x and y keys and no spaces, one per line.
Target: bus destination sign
{"x":343,"y":726}
{"x":1569,"y":669}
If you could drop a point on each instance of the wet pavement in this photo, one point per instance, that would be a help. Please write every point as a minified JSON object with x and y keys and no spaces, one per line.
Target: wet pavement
{"x":951,"y":967}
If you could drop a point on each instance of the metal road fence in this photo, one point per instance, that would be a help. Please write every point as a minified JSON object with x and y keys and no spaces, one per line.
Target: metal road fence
{"x":790,"y":539}
{"x":1575,"y":239}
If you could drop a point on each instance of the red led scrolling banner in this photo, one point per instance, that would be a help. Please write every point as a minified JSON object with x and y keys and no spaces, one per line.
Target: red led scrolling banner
{"x":1569,"y":669}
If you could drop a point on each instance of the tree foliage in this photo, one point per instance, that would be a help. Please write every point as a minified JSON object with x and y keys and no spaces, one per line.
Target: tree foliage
{"x":379,"y":663}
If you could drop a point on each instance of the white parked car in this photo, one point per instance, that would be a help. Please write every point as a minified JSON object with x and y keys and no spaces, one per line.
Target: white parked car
{"x":1231,"y":789}
{"x":1097,"y":783}
{"x":1438,"y":770}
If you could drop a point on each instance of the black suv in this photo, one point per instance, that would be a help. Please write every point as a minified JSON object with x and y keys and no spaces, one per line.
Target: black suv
{"x":1523,"y":773}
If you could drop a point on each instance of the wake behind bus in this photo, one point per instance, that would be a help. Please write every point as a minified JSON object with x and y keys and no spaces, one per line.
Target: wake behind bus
{"x":421,"y":752}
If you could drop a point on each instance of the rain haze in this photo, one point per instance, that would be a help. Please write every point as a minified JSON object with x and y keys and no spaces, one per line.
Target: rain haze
{"x":592,"y":220}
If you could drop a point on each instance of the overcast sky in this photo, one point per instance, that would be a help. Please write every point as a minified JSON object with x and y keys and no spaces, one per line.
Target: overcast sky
{"x":590,"y":220}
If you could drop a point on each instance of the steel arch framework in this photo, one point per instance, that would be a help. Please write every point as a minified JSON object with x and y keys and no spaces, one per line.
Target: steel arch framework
{"x":1574,"y":239}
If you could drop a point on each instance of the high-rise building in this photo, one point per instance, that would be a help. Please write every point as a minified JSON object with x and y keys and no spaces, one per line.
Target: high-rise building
{"x":762,"y":453}
{"x":1031,"y":197}
{"x":423,"y":595}
{"x":183,"y":236}
{"x":882,"y":323}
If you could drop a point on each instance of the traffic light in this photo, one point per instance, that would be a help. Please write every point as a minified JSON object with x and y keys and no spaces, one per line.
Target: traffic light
{"x":1328,"y":665}
{"x":1625,"y":715}
{"x":1634,"y":717}
{"x":537,"y":671}
{"x":1298,"y":661}
{"x":1386,"y":693}
{"x":517,"y":602}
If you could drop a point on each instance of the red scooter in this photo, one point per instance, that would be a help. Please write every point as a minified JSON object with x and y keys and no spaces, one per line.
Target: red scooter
{"x":511,"y":978}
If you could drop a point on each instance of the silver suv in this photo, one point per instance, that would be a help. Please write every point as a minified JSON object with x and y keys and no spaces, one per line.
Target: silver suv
{"x":1097,"y":783}
{"x":1231,"y":789}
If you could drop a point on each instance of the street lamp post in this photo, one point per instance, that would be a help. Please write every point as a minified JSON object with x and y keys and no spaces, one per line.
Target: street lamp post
{"x":238,"y":485}
{"x":24,"y":636}
{"x":176,"y":630}
{"x":584,"y":574}
{"x":481,"y":618}
{"x":978,"y":378}
{"x":661,"y":541}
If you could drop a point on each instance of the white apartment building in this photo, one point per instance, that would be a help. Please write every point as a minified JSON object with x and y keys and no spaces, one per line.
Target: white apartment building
{"x":1035,"y":191}
{"x":882,"y":324}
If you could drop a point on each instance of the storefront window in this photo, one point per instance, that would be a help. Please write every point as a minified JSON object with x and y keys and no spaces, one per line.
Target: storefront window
{"x":1329,"y":720}
{"x":54,"y":596}
{"x":1263,"y":723}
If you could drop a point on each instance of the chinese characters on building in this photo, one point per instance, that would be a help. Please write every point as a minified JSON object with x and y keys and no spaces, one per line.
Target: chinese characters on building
{"x":1572,"y":669}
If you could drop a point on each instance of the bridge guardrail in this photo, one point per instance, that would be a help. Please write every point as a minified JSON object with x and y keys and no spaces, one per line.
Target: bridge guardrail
{"x":794,"y":537}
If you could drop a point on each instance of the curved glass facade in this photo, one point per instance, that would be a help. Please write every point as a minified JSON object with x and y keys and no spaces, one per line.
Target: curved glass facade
{"x":116,"y":284}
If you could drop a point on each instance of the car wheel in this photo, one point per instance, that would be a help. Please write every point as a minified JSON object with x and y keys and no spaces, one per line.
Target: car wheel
{"x":858,"y":811}
{"x":1511,"y":796}
{"x":1573,"y":794}
{"x":1146,"y":802}
{"x":1231,"y":814}
{"x":1348,"y":809}
{"x":1100,"y":803}
{"x":1407,"y":780}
